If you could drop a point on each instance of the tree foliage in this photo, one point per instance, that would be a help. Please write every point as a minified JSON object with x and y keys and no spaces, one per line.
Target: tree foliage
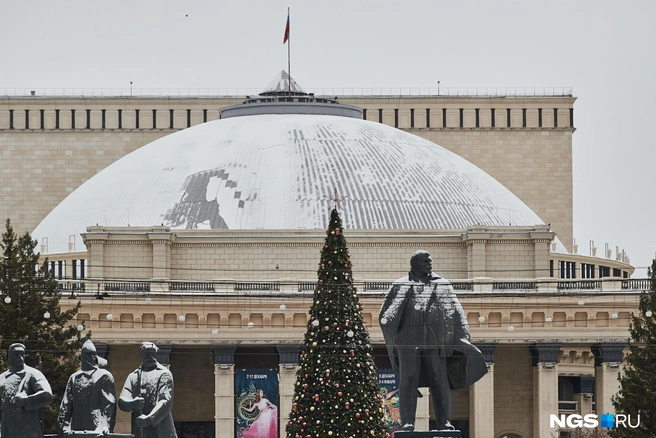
{"x":637,"y":394}
{"x":30,"y":314}
{"x":336,"y":392}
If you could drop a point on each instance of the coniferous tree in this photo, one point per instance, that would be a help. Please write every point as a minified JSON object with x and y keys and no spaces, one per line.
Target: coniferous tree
{"x":336,"y":392}
{"x":637,"y":394}
{"x":30,"y":314}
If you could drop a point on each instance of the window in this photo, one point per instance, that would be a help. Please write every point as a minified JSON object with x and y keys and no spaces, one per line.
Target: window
{"x":523,"y":117}
{"x":56,"y":119}
{"x":72,"y":119}
{"x":508,"y":117}
{"x":478,"y":120}
{"x":540,"y":117}
{"x":11,"y":119}
{"x":571,"y":117}
{"x":443,"y":117}
{"x":380,"y":115}
{"x":136,"y":119}
{"x":188,"y":118}
{"x":27,"y":119}
{"x":154,"y":119}
{"x":412,"y":117}
{"x":555,"y":117}
{"x":120,"y":119}
{"x":88,"y":119}
{"x":567,"y":269}
{"x":103,"y":113}
{"x":428,"y":117}
{"x":364,"y":114}
{"x":42,"y":118}
{"x":396,"y":117}
{"x":171,"y":118}
{"x":461,"y":117}
{"x":493,"y":121}
{"x":587,"y":270}
{"x":551,"y":268}
{"x":204,"y":116}
{"x":604,"y":271}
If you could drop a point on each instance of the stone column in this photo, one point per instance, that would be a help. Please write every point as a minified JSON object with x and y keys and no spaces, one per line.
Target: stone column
{"x":288,"y":364}
{"x":161,"y":239}
{"x":545,"y":386}
{"x":541,"y":237}
{"x":224,"y":390}
{"x":94,"y":240}
{"x":583,"y":390}
{"x":476,"y":239}
{"x":481,"y":398}
{"x":422,"y":417}
{"x":608,"y":357}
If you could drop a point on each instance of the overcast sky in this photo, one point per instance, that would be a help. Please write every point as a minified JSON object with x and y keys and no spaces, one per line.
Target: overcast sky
{"x":604,"y":50}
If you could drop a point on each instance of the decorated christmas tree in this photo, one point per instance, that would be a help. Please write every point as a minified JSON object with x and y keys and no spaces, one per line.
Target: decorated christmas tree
{"x":637,"y":394}
{"x":336,"y":392}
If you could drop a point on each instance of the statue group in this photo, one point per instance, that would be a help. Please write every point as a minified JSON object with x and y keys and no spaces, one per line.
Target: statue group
{"x":88,"y":406}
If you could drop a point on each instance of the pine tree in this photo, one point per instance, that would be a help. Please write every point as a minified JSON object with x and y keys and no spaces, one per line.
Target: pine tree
{"x":30,"y":314}
{"x":637,"y":394}
{"x":336,"y":392}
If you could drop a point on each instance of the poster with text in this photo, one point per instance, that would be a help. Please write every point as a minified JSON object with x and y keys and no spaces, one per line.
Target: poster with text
{"x":256,"y":404}
{"x":388,"y":384}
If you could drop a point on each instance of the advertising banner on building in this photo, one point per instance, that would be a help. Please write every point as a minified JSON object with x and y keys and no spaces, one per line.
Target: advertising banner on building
{"x":388,"y":383}
{"x":256,"y":404}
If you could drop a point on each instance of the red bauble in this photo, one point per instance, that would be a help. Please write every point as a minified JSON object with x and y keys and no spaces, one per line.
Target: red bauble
{"x":357,"y":415}
{"x":346,"y":265}
{"x":339,"y":394}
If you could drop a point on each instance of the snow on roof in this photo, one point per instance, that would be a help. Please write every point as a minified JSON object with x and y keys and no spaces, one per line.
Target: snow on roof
{"x":280,"y":83}
{"x":273,"y":172}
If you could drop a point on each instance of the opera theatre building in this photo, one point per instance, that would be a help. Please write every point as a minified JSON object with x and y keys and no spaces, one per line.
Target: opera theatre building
{"x":197,"y":223}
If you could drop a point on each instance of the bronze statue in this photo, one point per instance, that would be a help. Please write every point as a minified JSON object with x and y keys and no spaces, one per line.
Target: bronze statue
{"x":89,"y":403}
{"x":148,"y":394}
{"x":428,"y":341}
{"x":24,"y":391}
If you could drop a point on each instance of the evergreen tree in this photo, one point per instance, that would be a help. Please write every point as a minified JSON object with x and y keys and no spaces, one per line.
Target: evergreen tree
{"x":637,"y":394}
{"x":336,"y":392}
{"x":30,"y":314}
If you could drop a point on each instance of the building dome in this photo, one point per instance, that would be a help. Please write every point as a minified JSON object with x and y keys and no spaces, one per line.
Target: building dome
{"x":273,"y":171}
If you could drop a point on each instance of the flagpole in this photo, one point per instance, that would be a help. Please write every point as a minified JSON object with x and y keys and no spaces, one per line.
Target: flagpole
{"x":289,"y":51}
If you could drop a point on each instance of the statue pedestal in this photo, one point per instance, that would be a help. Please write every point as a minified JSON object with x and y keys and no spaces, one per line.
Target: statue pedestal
{"x":427,"y":434}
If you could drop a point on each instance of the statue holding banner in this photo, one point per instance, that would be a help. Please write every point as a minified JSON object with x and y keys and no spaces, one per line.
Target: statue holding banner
{"x":89,"y":403}
{"x":427,"y":338}
{"x":148,"y":395}
{"x":24,"y":391}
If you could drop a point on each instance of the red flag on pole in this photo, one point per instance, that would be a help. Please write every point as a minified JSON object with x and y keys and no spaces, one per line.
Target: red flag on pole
{"x":286,"y":37}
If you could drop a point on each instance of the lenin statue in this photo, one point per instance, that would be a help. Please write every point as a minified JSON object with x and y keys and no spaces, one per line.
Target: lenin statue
{"x":428,"y":341}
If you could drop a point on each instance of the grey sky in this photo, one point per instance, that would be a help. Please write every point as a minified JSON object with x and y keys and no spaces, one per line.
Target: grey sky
{"x":603,"y":50}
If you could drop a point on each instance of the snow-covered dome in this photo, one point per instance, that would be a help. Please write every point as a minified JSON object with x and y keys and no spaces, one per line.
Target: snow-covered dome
{"x":274,"y":171}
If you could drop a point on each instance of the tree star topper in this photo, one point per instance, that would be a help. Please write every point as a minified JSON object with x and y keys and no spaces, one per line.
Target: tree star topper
{"x":335,"y":200}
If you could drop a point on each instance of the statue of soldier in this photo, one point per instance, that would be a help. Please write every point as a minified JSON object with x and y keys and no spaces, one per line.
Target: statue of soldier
{"x":148,"y":395}
{"x":89,"y":403}
{"x":24,"y":391}
{"x":427,"y":338}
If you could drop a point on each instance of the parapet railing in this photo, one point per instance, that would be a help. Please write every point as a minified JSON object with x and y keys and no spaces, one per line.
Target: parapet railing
{"x":102,"y":287}
{"x":332,"y":92}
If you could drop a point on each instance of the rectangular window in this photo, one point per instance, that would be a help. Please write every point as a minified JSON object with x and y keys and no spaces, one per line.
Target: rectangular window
{"x":555,"y":117}
{"x":462,"y":117}
{"x":604,"y":271}
{"x":42,"y":118}
{"x":204,"y":116}
{"x":443,"y":117}
{"x":364,"y":113}
{"x":72,"y":119}
{"x":551,"y":268}
{"x":478,"y":119}
{"x":540,"y":117}
{"x":188,"y":118}
{"x":171,"y":118}
{"x":428,"y":117}
{"x":11,"y":119}
{"x":412,"y":117}
{"x":27,"y":119}
{"x":136,"y":119}
{"x":74,"y":266}
{"x":571,"y":117}
{"x":523,"y":117}
{"x":120,"y":119}
{"x":56,"y":119}
{"x":493,"y":122}
{"x":508,"y":117}
{"x":396,"y":117}
{"x":617,"y":272}
{"x":82,"y":269}
{"x":103,"y":117}
{"x":60,"y":269}
{"x":88,"y":119}
{"x":154,"y":119}
{"x":380,"y":115}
